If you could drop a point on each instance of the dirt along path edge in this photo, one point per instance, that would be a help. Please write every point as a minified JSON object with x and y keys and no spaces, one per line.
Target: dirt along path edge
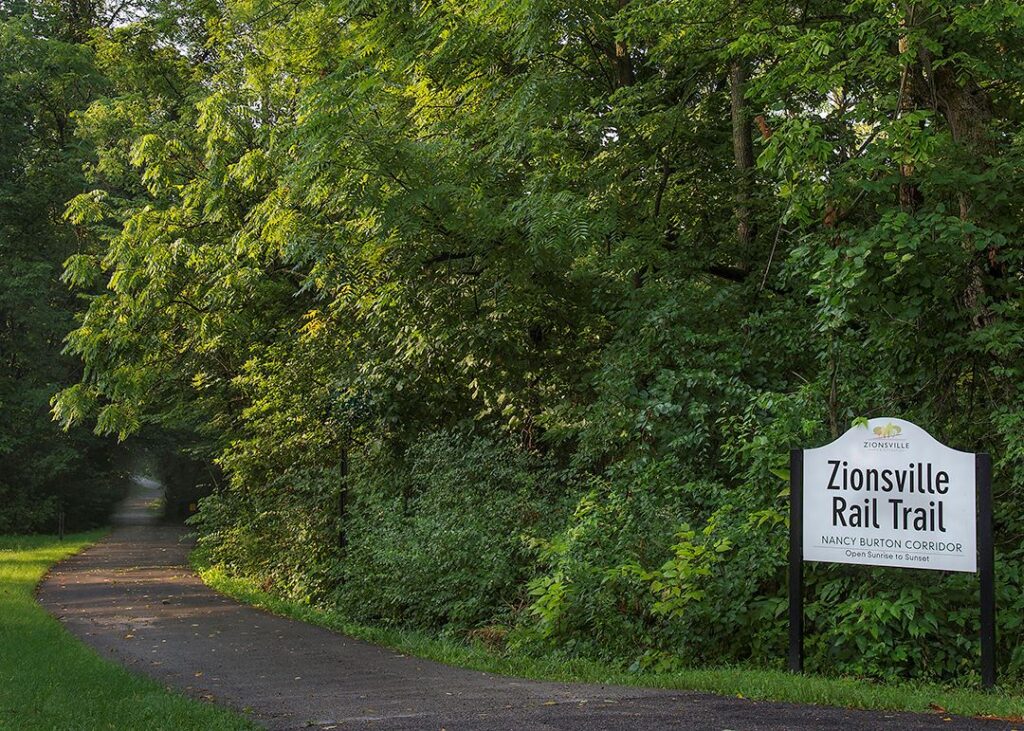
{"x":133,"y":598}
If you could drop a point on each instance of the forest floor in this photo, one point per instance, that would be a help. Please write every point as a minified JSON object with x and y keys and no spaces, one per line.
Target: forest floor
{"x":134,"y":598}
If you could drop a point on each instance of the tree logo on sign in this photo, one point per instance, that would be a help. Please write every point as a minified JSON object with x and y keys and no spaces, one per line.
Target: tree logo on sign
{"x":888,"y":431}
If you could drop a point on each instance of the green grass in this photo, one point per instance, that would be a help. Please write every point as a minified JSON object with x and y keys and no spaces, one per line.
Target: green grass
{"x":49,"y":680}
{"x":757,"y":684}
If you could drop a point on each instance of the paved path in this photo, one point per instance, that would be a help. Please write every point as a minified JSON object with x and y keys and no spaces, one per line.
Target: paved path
{"x":132,"y":598}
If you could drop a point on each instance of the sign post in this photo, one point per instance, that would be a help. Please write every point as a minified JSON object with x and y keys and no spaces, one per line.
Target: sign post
{"x":796,"y":561}
{"x":986,"y":561}
{"x":889,"y":494}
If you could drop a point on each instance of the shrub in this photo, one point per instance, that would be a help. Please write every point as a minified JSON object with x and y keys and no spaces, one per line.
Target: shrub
{"x":436,"y":537}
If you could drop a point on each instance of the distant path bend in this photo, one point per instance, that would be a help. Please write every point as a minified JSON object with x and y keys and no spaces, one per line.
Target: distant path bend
{"x":133,"y":598}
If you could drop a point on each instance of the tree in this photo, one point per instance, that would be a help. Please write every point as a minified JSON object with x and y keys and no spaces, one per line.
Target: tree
{"x":642,"y":247}
{"x":43,"y":80}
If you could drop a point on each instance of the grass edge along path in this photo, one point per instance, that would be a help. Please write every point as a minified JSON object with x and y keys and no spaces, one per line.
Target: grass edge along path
{"x":50,"y":680}
{"x":754,"y":684}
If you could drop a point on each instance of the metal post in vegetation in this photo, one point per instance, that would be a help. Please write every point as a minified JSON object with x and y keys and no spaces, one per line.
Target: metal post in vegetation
{"x":986,"y":569}
{"x":796,"y":561}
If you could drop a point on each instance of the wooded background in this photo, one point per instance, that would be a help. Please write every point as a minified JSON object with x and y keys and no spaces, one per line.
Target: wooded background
{"x":505,"y":314}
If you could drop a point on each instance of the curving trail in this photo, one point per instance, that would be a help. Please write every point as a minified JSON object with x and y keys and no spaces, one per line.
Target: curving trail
{"x":132,"y":597}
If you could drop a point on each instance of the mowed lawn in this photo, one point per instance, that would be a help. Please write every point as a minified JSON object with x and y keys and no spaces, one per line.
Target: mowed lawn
{"x":49,"y":680}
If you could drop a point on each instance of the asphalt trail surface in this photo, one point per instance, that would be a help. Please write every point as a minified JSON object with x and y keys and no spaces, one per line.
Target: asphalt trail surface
{"x":133,"y":598}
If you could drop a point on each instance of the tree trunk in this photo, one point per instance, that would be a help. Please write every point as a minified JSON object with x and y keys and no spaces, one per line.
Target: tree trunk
{"x":743,"y":153}
{"x":967,"y":110}
{"x":910,"y":197}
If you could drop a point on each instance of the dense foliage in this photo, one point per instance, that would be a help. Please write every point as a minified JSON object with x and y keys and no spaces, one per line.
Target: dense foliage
{"x":45,"y":74}
{"x":504,"y":315}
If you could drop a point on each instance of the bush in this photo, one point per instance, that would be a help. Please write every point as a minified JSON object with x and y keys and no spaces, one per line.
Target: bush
{"x":282,"y":532}
{"x":436,"y":537}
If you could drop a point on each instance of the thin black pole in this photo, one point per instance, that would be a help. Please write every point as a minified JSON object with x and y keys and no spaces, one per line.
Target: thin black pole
{"x":796,"y":561}
{"x":986,"y":567}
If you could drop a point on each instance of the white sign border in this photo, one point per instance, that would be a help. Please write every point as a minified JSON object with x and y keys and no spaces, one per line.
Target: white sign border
{"x":888,"y":444}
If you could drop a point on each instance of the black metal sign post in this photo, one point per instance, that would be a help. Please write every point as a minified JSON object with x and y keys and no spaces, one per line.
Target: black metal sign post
{"x":986,"y":568}
{"x":796,"y":561}
{"x":986,"y":565}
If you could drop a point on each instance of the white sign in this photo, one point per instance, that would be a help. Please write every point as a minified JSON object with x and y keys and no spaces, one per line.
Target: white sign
{"x":889,"y":494}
